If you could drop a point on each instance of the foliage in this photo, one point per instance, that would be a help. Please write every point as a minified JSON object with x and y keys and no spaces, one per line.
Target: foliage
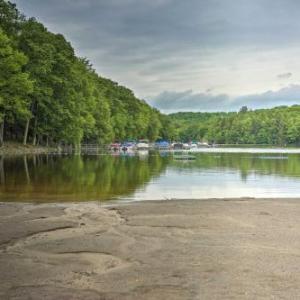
{"x":50,"y":95}
{"x":15,"y":85}
{"x":276,"y":126}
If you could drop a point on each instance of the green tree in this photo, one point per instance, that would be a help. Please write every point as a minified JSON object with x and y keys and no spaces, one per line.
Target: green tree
{"x":15,"y":86}
{"x":35,"y":42}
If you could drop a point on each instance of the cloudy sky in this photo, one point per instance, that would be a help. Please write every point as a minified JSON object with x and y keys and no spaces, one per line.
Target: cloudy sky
{"x":186,"y":55}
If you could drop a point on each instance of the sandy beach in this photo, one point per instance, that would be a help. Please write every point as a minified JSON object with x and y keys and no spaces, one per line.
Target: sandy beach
{"x":181,"y":249}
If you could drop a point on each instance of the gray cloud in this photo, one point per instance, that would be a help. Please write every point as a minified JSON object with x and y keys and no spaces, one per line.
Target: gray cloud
{"x":170,"y":102}
{"x":157,"y":45}
{"x":187,"y":101}
{"x":184,"y":24}
{"x":284,"y":75}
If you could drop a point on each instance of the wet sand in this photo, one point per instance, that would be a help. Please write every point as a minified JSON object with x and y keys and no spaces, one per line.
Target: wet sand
{"x":181,"y":249}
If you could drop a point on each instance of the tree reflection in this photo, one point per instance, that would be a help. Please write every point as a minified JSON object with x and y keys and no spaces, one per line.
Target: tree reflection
{"x":54,"y":178}
{"x":264,"y":164}
{"x":76,"y":178}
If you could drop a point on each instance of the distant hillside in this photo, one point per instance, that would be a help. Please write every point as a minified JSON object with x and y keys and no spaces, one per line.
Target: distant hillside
{"x":276,"y":126}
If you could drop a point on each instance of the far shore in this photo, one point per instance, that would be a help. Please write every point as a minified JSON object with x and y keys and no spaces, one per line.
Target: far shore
{"x":12,"y":149}
{"x":180,"y":249}
{"x":17,"y":149}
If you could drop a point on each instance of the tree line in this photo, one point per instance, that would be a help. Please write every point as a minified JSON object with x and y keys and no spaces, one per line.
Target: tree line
{"x":48,"y":95}
{"x":276,"y":126}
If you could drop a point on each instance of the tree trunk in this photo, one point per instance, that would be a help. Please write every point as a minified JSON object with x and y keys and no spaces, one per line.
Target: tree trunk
{"x":2,"y":132}
{"x":26,"y":132}
{"x":37,"y":140}
{"x":34,"y":131}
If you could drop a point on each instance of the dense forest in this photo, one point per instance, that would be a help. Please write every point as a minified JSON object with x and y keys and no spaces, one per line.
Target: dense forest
{"x":50,"y":96}
{"x":276,"y":126}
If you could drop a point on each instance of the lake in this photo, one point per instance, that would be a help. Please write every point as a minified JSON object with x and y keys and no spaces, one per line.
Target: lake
{"x":158,"y":175}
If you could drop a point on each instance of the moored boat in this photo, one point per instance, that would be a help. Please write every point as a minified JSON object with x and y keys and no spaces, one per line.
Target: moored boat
{"x":203,"y":145}
{"x":115,"y":147}
{"x":143,"y":145}
{"x":162,"y":145}
{"x":177,"y":146}
{"x":186,"y":146}
{"x":128,"y":146}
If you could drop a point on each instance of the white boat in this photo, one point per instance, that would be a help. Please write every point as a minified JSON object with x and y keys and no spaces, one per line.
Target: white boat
{"x":128,"y":146}
{"x":203,"y":145}
{"x":177,"y":146}
{"x":143,"y":145}
{"x":115,"y":147}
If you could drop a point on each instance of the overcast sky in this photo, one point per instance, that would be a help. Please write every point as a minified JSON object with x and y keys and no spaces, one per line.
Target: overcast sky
{"x":186,"y":55}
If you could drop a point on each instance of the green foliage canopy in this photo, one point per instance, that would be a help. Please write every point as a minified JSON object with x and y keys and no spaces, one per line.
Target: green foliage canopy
{"x":276,"y":126}
{"x":50,"y":94}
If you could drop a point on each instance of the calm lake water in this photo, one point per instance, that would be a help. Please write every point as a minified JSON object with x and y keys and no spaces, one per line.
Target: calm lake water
{"x":54,"y":178}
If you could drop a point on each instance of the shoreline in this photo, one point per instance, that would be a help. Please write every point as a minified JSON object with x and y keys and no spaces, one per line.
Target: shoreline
{"x":18,"y":149}
{"x":241,"y":248}
{"x":15,"y":149}
{"x":124,"y":202}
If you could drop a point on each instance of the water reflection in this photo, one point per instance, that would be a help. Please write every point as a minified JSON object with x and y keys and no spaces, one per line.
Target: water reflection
{"x":75,"y":178}
{"x":50,"y":178}
{"x":246,"y":164}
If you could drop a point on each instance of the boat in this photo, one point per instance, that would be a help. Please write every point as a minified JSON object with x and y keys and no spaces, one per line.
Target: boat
{"x":186,"y":146}
{"x":143,"y":145}
{"x":115,"y":147}
{"x":177,"y":146}
{"x":203,"y":145}
{"x":162,"y":145}
{"x":128,"y":146}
